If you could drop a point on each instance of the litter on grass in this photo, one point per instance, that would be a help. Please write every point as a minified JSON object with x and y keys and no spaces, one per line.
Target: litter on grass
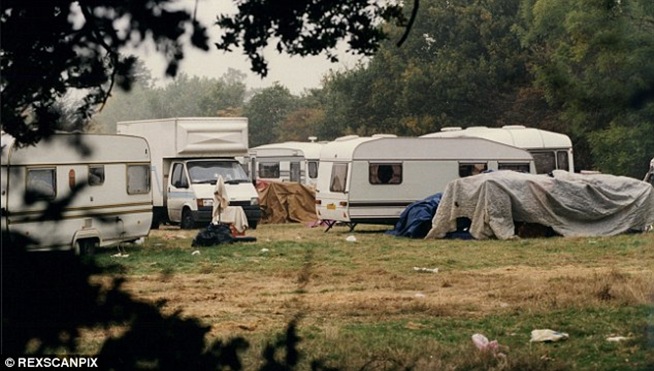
{"x":425,"y":270}
{"x":482,"y":343}
{"x":547,"y":335}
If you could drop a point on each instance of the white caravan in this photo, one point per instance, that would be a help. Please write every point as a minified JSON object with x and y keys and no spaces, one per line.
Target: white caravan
{"x":551,"y":150}
{"x":373,"y":179}
{"x":188,"y":154}
{"x":76,"y":191}
{"x":286,"y":162}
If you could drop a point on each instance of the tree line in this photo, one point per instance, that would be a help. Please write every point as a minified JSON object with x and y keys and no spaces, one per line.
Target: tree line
{"x":582,"y":67}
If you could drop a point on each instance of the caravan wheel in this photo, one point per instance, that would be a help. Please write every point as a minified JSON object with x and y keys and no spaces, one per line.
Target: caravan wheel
{"x":85,"y":247}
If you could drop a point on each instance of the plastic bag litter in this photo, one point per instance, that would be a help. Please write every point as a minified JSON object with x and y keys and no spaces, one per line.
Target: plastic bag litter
{"x":482,"y":343}
{"x":425,"y":270}
{"x":547,"y":335}
{"x":351,"y":239}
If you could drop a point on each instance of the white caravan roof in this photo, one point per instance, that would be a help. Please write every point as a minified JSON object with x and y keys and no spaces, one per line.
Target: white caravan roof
{"x":73,"y":148}
{"x":515,"y":135}
{"x":308,"y":150}
{"x":415,"y":148}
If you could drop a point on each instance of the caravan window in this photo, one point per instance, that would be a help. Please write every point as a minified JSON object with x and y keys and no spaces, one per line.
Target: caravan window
{"x":468,"y":169}
{"x":96,"y":175}
{"x":138,"y":179}
{"x":295,"y":171}
{"x":269,"y":170}
{"x":545,"y":162}
{"x":337,"y":182}
{"x":562,"y":160}
{"x":313,"y":169}
{"x":385,"y":173}
{"x":521,"y":168}
{"x":41,"y":183}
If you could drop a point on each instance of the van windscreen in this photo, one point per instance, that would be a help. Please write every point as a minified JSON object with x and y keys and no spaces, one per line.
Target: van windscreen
{"x":208,"y":171}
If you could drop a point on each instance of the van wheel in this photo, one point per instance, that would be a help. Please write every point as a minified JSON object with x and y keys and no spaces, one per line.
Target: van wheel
{"x":85,"y":247}
{"x":156,"y":222}
{"x":187,"y":220}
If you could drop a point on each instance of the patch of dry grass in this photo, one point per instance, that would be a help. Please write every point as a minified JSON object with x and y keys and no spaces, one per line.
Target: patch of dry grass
{"x":240,"y":291}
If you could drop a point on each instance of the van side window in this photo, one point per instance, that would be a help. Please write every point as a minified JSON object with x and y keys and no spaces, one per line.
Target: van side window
{"x":521,"y":168}
{"x":41,"y":183}
{"x":313,"y":169}
{"x":96,"y":175}
{"x":269,"y":169}
{"x":385,"y":173}
{"x":178,"y":178}
{"x":337,"y":182}
{"x":468,"y":169}
{"x":138,"y":179}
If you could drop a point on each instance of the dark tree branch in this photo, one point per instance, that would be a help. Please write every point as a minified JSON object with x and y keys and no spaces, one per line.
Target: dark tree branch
{"x":414,"y":14}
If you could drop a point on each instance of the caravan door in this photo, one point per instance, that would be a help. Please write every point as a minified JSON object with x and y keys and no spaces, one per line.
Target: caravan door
{"x":295,"y":171}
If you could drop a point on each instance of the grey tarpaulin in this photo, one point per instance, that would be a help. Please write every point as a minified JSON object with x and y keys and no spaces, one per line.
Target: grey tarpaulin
{"x":571,"y":204}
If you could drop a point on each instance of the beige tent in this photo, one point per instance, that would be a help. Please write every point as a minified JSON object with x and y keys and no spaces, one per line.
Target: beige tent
{"x":287,"y":202}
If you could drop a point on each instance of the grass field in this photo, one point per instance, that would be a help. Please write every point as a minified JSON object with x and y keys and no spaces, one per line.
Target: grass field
{"x":368,"y":305}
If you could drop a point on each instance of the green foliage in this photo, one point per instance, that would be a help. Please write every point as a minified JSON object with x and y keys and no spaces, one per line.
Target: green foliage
{"x":624,"y":149}
{"x":77,"y":45}
{"x":266,"y":112}
{"x":305,"y":27}
{"x":461,"y":65}
{"x":593,"y":59}
{"x":55,"y":47}
{"x":185,"y":96}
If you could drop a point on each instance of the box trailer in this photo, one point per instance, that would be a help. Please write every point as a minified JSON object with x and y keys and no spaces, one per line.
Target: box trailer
{"x":373,"y":179}
{"x":551,"y":151}
{"x":188,"y":154}
{"x":76,"y":191}
{"x":286,"y":162}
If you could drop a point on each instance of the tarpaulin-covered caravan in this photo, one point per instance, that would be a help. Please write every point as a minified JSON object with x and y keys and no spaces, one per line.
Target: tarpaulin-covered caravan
{"x":571,"y":204}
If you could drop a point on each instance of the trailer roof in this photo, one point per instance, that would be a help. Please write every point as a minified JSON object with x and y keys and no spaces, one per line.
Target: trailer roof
{"x":416,"y":148}
{"x":516,"y":135}
{"x":309,"y":150}
{"x":76,"y":148}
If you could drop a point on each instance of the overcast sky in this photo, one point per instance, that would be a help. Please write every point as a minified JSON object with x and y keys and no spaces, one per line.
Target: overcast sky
{"x":295,"y":73}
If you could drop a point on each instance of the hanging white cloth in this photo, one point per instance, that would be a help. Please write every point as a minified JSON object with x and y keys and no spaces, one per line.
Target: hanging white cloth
{"x":223,"y":213}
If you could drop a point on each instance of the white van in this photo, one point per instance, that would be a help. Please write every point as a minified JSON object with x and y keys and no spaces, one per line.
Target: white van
{"x":373,"y":179}
{"x":76,"y":191}
{"x":188,"y":154}
{"x":551,"y":151}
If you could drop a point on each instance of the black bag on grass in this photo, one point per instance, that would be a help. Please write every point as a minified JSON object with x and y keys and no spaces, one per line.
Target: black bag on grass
{"x":214,"y":234}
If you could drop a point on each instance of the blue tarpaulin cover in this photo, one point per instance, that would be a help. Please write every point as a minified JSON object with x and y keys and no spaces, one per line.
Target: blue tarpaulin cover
{"x":415,"y":220}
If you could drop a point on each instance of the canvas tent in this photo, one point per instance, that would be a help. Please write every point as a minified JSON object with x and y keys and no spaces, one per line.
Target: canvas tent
{"x":284,"y":202}
{"x":571,"y":204}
